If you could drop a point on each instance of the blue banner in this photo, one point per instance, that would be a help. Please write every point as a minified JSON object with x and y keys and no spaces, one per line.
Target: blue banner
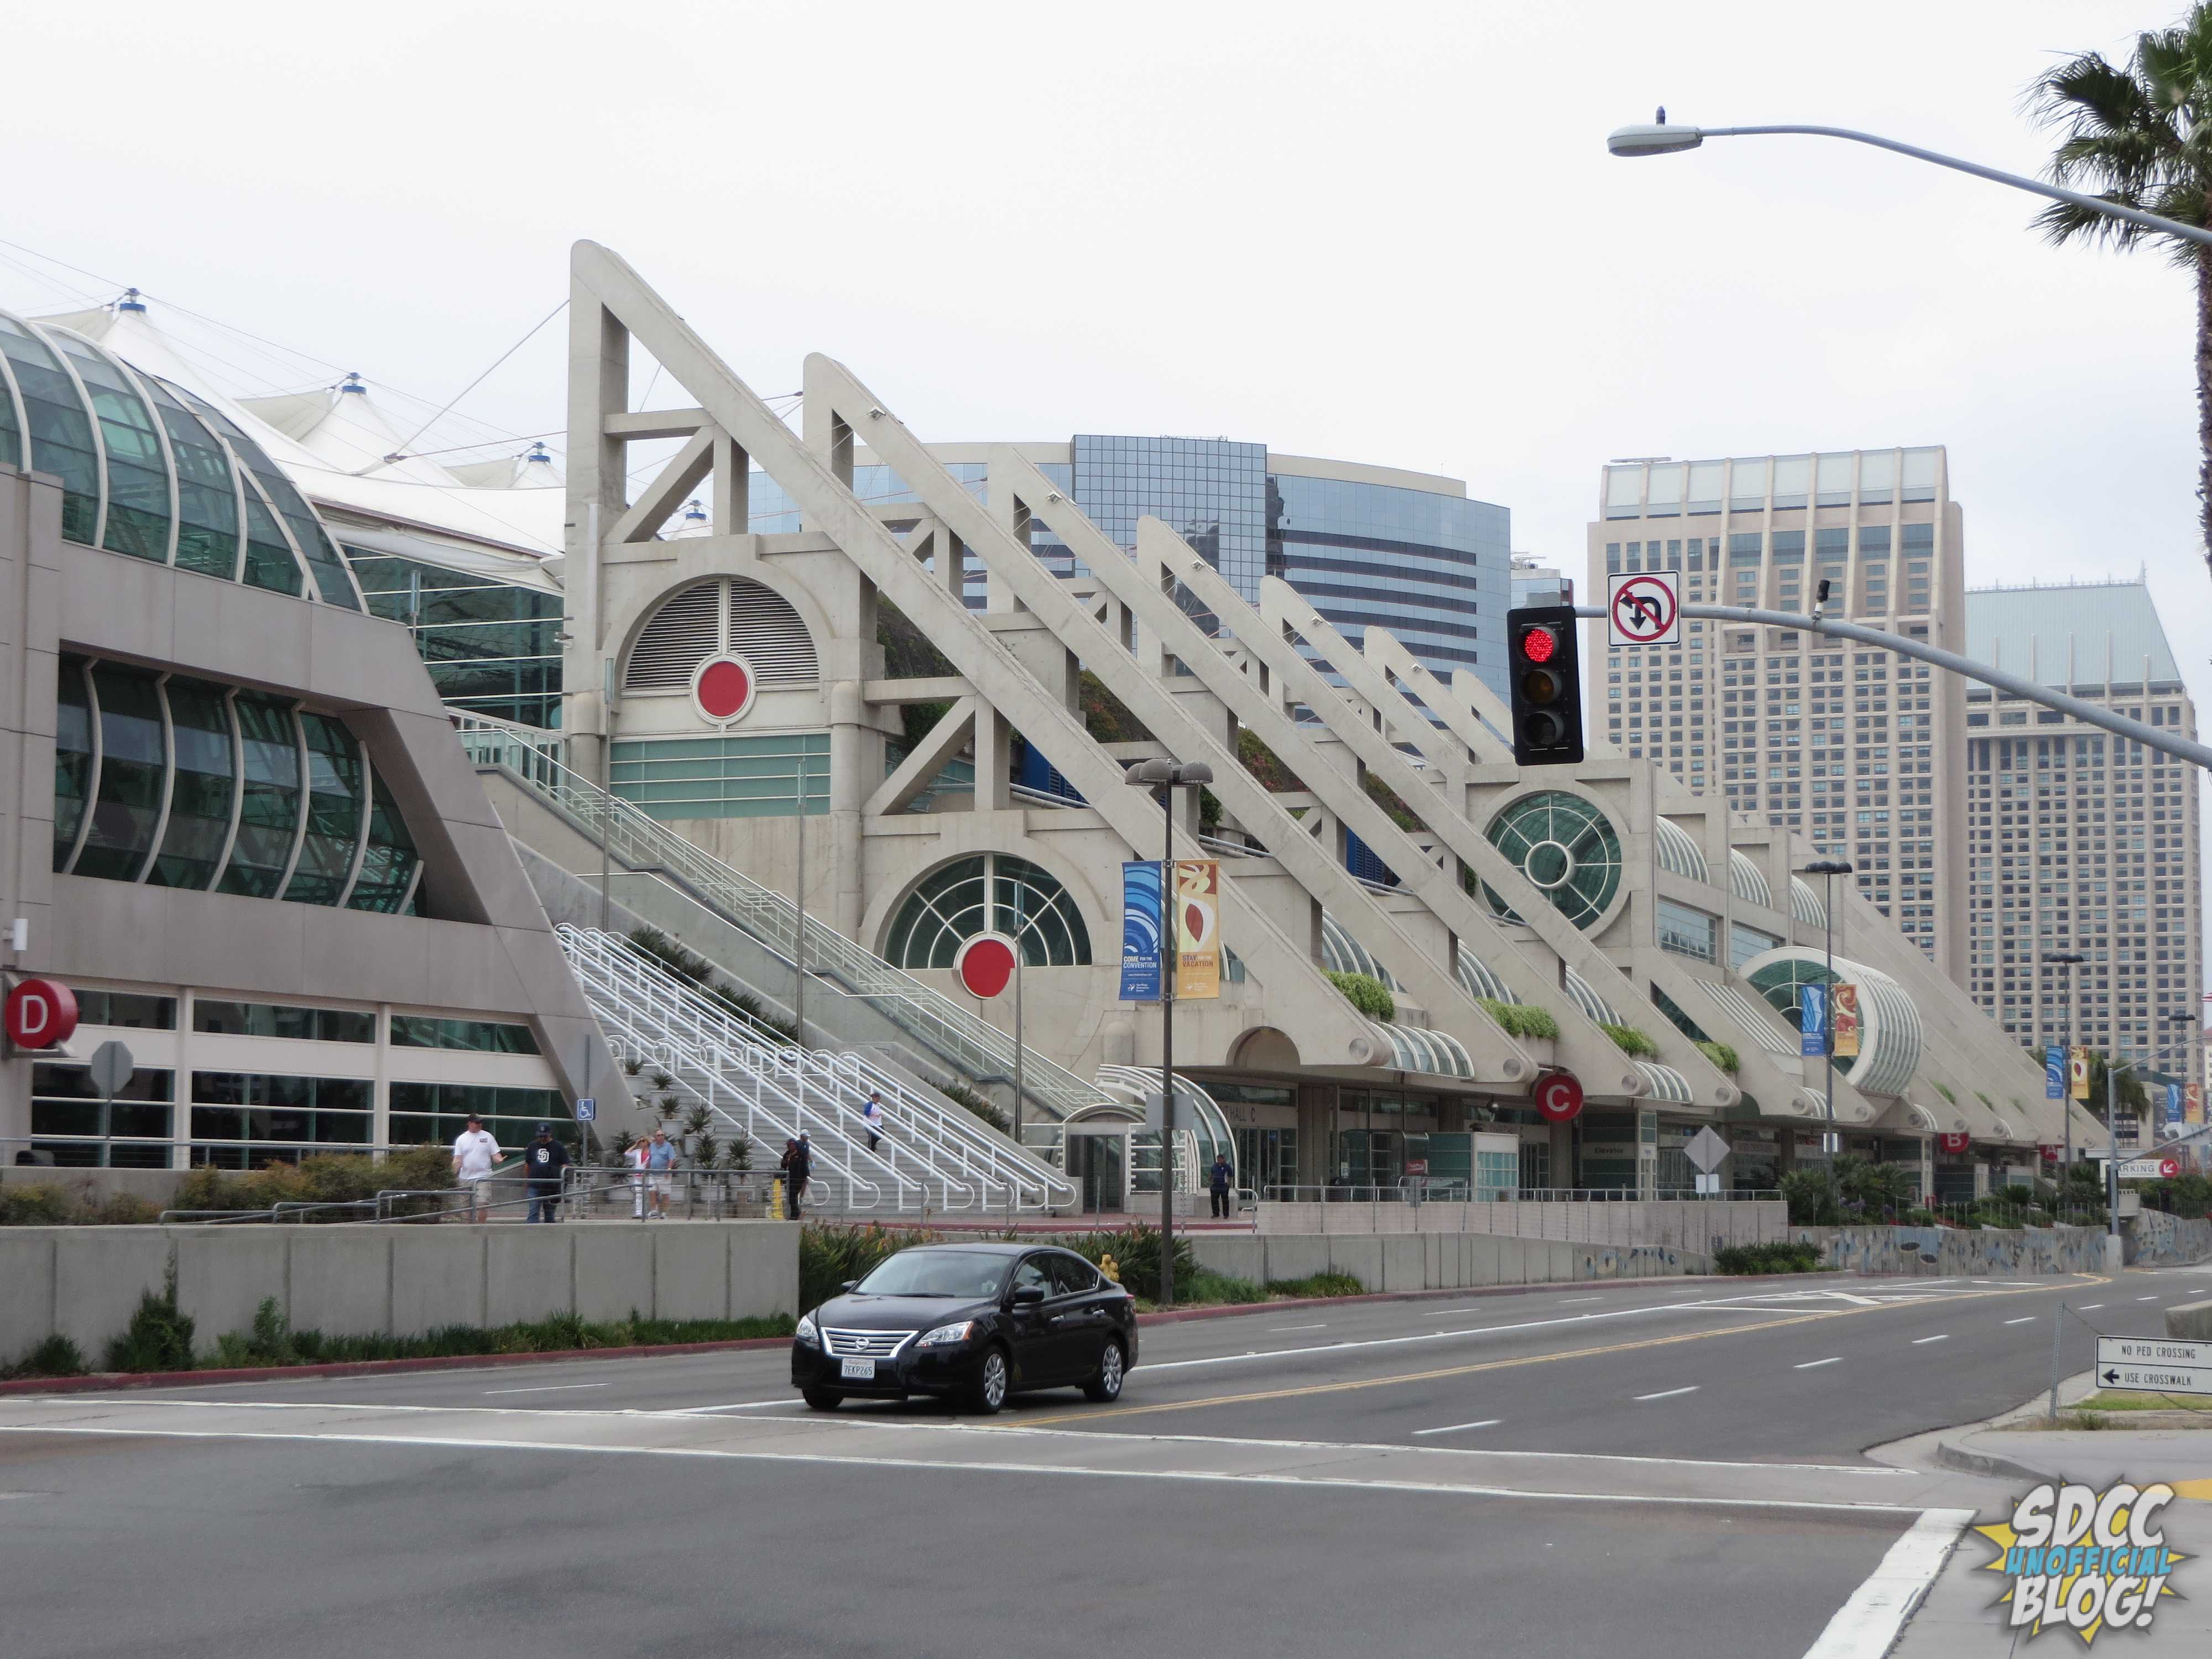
{"x":2172,"y":1104}
{"x":2054,"y":1073}
{"x":1141,"y":932}
{"x":1812,"y":1019}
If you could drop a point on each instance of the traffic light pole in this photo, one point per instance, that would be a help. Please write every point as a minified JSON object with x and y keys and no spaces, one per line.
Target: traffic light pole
{"x":2153,"y":737}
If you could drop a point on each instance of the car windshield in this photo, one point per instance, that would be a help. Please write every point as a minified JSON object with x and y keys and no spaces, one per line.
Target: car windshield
{"x":937,"y":1273}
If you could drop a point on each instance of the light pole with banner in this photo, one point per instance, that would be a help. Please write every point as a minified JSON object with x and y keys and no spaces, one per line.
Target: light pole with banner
{"x":1164,"y":775}
{"x":2069,"y":960}
{"x":1831,"y":868}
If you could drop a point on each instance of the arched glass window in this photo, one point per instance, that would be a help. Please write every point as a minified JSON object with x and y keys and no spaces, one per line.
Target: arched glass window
{"x":73,"y":759}
{"x":205,"y":789}
{"x":389,"y":862}
{"x":207,"y":495}
{"x":137,"y":470}
{"x":269,"y":814}
{"x":127,"y":809}
{"x":61,"y":431}
{"x":334,"y":805}
{"x":988,"y":892}
{"x":1566,"y":847}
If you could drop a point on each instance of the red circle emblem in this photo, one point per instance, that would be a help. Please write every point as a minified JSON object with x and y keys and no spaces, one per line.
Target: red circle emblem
{"x":2169,"y":1167}
{"x":723,"y":688}
{"x":41,"y":1013}
{"x":986,"y":965}
{"x":1954,"y":1140}
{"x":1558,"y":1096}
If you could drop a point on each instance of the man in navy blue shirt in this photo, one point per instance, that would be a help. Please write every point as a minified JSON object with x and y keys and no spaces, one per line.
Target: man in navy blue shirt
{"x":543,"y":1160}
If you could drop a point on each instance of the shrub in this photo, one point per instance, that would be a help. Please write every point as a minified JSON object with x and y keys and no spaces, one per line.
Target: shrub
{"x":829,"y":1255}
{"x":1328,"y":1283}
{"x":1367,"y":993}
{"x":1263,"y":763}
{"x":45,"y":1205}
{"x":1519,"y":1020}
{"x":55,"y":1357}
{"x":961,"y":1094}
{"x":1631,"y":1041}
{"x":1136,"y":1253}
{"x":1793,"y":1256}
{"x":1205,"y":1286}
{"x":1811,"y":1196}
{"x":271,"y":1342}
{"x":158,"y":1338}
{"x":333,"y":1178}
{"x":1721,"y":1055}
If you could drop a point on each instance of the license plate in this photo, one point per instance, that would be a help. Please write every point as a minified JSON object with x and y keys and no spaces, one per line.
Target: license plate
{"x":858,"y":1370}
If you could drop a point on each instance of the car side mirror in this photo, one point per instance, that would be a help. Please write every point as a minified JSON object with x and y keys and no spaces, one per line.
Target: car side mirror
{"x":848,"y":1284}
{"x":1028,"y":1296}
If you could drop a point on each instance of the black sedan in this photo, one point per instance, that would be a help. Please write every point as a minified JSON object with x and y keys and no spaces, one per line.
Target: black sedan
{"x":972,"y":1322}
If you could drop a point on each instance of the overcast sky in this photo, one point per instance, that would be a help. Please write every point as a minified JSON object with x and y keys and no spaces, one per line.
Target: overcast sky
{"x":1386,"y":232}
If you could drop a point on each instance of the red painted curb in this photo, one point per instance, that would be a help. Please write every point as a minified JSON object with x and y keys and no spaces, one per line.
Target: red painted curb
{"x":109,"y":1380}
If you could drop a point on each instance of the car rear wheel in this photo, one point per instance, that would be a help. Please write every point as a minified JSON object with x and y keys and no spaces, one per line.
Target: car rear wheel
{"x":1107,"y":1385}
{"x":988,"y":1391}
{"x":822,"y":1400}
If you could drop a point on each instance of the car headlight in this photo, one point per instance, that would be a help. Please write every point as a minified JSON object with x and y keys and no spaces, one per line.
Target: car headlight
{"x":805,"y":1332}
{"x":945,"y":1335}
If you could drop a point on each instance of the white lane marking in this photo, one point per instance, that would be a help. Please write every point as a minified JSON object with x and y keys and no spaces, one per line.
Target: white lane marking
{"x":1867,"y":1625}
{"x":1322,"y":1327}
{"x":2146,"y":1298}
{"x":2025,"y":1318}
{"x":1210,"y":1477}
{"x":1453,"y":1428}
{"x":1815,"y":1364}
{"x":701,"y":1411}
{"x":1347,"y":1345}
{"x":548,"y":1388}
{"x":1923,"y":1342}
{"x":1668,"y":1393}
{"x":1566,"y":1300}
{"x":2086,"y":1306}
{"x":883,"y":1425}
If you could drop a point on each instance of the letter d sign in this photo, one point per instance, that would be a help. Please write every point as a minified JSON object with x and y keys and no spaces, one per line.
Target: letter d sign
{"x":41,"y":1013}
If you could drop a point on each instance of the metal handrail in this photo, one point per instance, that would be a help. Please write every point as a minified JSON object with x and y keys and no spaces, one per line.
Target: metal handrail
{"x":945,"y":1142}
{"x":639,"y":842}
{"x":1310,"y":1193}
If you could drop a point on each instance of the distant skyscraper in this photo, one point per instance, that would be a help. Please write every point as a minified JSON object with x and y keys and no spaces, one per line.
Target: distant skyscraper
{"x":1540,"y":584}
{"x":1856,"y":747}
{"x":2081,"y":843}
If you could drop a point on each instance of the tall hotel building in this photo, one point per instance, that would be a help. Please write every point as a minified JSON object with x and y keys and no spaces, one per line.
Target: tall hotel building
{"x":2081,"y":843}
{"x":1854,"y":747}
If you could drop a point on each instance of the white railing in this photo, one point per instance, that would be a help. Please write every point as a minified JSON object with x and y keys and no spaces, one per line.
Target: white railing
{"x":936,"y":1156}
{"x":634,"y":839}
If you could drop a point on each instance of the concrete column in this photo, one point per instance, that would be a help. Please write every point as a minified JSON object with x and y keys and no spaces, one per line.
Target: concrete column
{"x":1647,"y":1154}
{"x":598,"y":386}
{"x":994,"y":758}
{"x":848,"y":791}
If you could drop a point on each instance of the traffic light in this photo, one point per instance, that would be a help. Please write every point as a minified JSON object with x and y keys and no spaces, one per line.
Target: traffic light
{"x":1542,"y":662}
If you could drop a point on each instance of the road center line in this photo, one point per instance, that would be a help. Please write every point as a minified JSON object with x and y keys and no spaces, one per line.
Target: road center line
{"x":1322,"y":1327}
{"x":1815,"y":1364}
{"x":548,"y":1388}
{"x":1453,"y":1428}
{"x":2086,"y":1306}
{"x":1923,"y":1342}
{"x":1668,"y":1393}
{"x":2024,"y":1320}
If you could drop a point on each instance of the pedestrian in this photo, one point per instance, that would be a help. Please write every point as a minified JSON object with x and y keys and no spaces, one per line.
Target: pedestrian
{"x":660,"y":1167}
{"x":635,"y":1157}
{"x":474,"y":1153}
{"x":797,"y":1164}
{"x":1219,"y":1184}
{"x":544,"y":1159}
{"x":871,"y":1118}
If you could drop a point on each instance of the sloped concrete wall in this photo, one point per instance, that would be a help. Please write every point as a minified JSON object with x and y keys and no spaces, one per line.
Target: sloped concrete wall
{"x":2166,"y":1240}
{"x":85,"y":1282}
{"x":1688,"y":1225}
{"x":1430,"y":1261}
{"x":1951,"y":1252}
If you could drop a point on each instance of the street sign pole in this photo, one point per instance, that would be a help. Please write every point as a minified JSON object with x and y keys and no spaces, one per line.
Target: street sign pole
{"x":110,"y":1070}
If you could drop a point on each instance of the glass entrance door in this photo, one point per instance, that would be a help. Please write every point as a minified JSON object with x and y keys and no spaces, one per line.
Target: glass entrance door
{"x":1098,"y":1164}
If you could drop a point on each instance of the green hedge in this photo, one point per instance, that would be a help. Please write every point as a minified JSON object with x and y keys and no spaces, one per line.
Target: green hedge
{"x":829,"y":1255}
{"x":1721,"y":1055}
{"x":1519,"y":1020}
{"x":52,"y":1204}
{"x":1631,"y":1041}
{"x":1369,"y":994}
{"x":272,"y":1341}
{"x":1791,"y":1257}
{"x":335,"y":1178}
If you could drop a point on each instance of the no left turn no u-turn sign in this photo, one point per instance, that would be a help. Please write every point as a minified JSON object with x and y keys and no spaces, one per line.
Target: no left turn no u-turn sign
{"x":1644,"y":609}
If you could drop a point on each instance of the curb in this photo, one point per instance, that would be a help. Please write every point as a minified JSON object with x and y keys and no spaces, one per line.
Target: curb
{"x":1952,"y":1455}
{"x":108,"y":1381}
{"x":1292,"y":1304}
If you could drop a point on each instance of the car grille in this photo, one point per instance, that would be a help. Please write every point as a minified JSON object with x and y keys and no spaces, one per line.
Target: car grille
{"x":865,"y":1344}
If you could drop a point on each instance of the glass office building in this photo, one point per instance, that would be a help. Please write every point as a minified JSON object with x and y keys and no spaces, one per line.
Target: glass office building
{"x":1367,"y":546}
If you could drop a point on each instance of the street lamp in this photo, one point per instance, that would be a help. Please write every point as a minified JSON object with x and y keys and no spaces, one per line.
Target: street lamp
{"x":1166,"y":775}
{"x":2069,"y":960}
{"x":1831,"y":868}
{"x":1657,"y":138}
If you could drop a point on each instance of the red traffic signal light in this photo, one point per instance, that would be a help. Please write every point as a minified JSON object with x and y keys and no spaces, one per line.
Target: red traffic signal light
{"x":1539,"y":644}
{"x":1544,"y":683}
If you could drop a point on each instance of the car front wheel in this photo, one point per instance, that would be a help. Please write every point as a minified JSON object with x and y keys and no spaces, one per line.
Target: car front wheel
{"x":822,"y":1400}
{"x":988,"y":1391}
{"x":1107,"y":1385}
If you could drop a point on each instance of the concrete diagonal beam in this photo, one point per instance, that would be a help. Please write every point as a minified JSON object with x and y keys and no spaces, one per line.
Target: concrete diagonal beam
{"x":1295,"y":678}
{"x":683,"y":473}
{"x":938,"y":745}
{"x":1330,"y":1033}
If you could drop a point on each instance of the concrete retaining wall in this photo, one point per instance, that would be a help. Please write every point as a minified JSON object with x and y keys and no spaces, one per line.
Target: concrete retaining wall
{"x":1948,"y":1252}
{"x":2167,"y":1240}
{"x":1434,"y":1261}
{"x":86,"y":1282}
{"x":1684,"y":1225}
{"x":2190,"y":1320}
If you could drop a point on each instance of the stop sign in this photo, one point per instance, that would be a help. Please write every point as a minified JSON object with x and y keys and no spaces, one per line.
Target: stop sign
{"x":40,"y":1012}
{"x":1558,"y":1096}
{"x":985,"y":964}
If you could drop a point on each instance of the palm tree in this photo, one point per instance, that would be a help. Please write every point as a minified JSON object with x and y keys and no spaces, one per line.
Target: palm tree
{"x":2140,"y":134}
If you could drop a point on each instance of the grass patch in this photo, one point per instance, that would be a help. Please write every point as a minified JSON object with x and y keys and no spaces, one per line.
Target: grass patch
{"x":1789,"y":1257}
{"x":1317,"y":1284}
{"x":1630,"y":1040}
{"x":2123,"y":1401}
{"x":59,"y":1204}
{"x":1369,"y":994}
{"x":272,"y":1341}
{"x":1519,"y":1020}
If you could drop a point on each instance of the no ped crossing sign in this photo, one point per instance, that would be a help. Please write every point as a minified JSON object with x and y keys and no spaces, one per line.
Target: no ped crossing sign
{"x":1644,"y":609}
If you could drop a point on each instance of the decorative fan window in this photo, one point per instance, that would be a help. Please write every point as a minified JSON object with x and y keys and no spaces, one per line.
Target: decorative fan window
{"x":990,"y":892}
{"x":1566,"y":847}
{"x":731,"y":616}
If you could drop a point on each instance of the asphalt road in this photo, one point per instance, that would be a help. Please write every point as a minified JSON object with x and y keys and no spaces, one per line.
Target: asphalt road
{"x":1281,"y":1483}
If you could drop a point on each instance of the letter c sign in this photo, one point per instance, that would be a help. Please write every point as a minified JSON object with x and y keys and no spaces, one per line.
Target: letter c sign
{"x":41,"y":1013}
